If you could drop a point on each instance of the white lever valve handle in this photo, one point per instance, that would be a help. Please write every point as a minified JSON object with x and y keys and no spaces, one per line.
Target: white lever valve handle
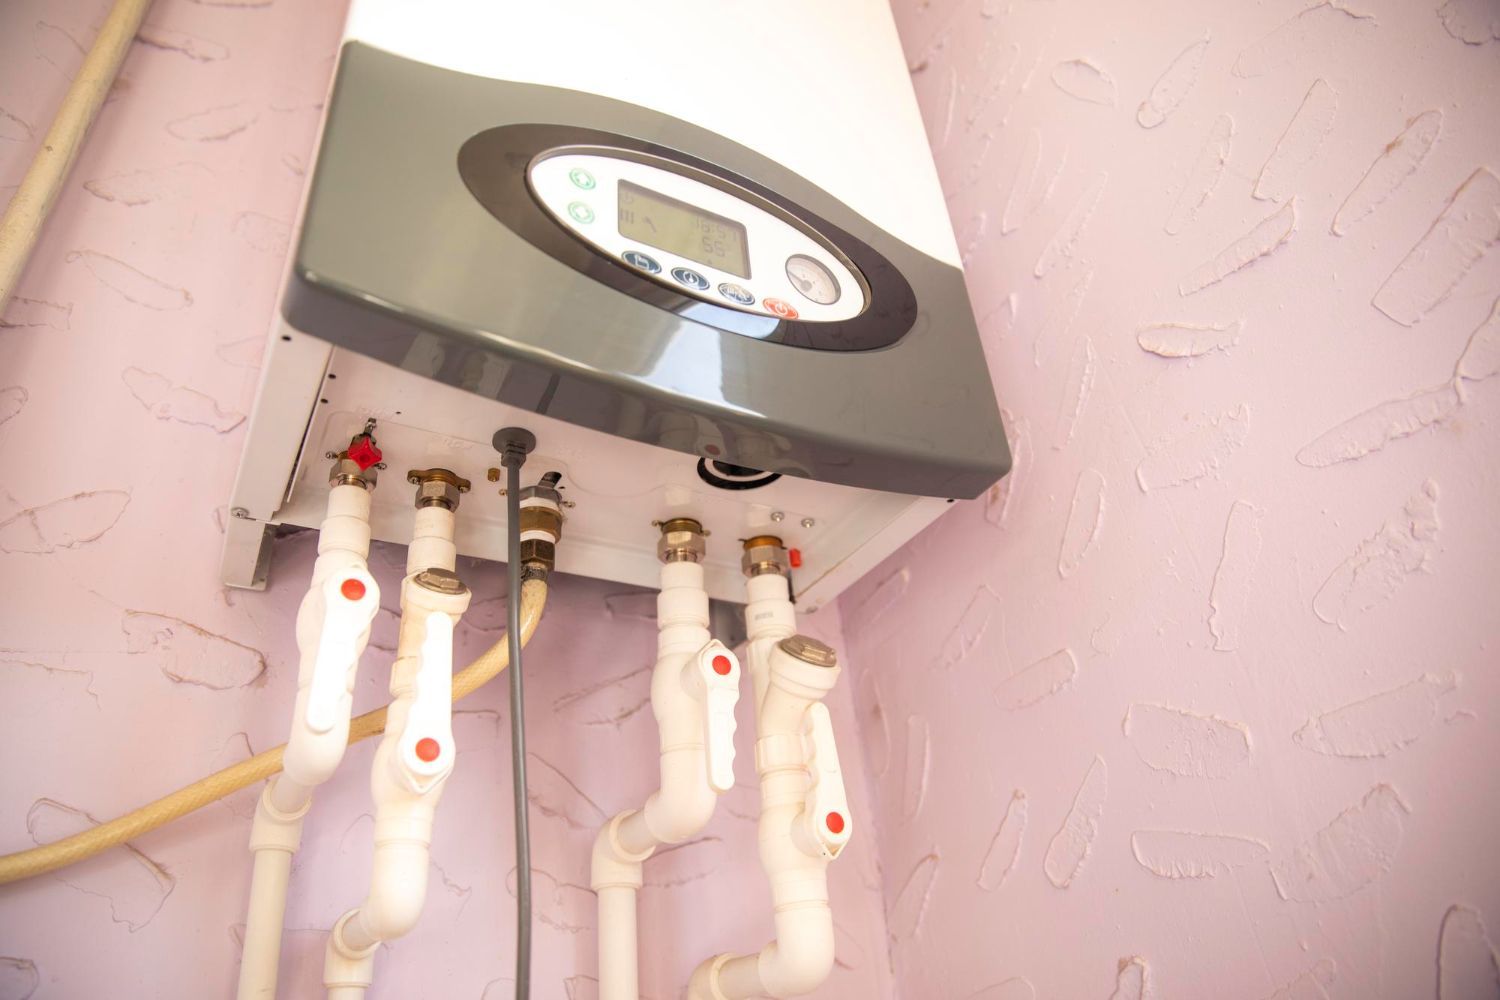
{"x":426,"y":752}
{"x":826,"y":809}
{"x":719,"y":671}
{"x":350,"y":601}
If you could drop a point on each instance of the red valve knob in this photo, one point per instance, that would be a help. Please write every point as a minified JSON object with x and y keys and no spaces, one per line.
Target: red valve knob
{"x":362,"y":452}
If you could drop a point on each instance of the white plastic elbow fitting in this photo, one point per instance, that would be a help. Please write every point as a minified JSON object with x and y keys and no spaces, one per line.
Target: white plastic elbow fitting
{"x":398,"y":891}
{"x":275,"y":830}
{"x":611,"y":864}
{"x":796,"y":963}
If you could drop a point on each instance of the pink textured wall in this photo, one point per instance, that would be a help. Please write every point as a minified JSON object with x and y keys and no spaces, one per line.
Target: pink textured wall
{"x":127,"y":366}
{"x":1205,"y":694}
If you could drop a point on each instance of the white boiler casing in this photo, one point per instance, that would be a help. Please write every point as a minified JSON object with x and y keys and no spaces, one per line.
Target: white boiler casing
{"x":699,"y":249}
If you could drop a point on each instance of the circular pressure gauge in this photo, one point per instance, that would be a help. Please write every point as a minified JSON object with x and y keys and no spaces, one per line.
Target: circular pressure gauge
{"x":812,"y":279}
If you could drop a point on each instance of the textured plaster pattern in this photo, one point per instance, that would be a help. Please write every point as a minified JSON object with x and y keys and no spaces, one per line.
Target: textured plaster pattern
{"x":1266,"y":530}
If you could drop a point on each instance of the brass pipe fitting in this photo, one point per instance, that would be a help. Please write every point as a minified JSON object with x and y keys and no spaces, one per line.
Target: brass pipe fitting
{"x":764,"y":554}
{"x":541,"y":522}
{"x":437,"y":487}
{"x":682,"y":540}
{"x":345,"y":471}
{"x":441,"y":581}
{"x":359,"y":464}
{"x":809,"y":650}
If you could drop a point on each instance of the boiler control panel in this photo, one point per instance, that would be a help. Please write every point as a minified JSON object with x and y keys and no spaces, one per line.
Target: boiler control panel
{"x":701,"y":239}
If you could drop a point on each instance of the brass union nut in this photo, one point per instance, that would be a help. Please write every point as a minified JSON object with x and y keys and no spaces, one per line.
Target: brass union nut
{"x":682,"y":540}
{"x":764,"y":554}
{"x":538,"y":550}
{"x":345,"y":471}
{"x":437,"y":487}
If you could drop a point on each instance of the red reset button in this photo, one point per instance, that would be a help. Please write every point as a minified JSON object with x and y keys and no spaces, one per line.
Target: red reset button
{"x":776,"y":307}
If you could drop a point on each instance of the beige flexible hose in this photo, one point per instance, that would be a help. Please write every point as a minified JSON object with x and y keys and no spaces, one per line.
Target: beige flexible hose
{"x":32,"y":203}
{"x":60,"y":854}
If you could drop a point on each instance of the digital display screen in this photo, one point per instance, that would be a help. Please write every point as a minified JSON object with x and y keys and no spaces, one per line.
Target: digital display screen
{"x":680,"y":228}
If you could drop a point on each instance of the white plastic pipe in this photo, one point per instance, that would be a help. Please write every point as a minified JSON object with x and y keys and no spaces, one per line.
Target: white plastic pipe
{"x":411,"y":767}
{"x":432,"y":545}
{"x":693,"y":690}
{"x":618,"y":958}
{"x":794,"y":849}
{"x":333,"y":627}
{"x":261,"y":953}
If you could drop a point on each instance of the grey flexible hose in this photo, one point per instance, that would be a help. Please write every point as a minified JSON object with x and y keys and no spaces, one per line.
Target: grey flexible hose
{"x":512,"y":461}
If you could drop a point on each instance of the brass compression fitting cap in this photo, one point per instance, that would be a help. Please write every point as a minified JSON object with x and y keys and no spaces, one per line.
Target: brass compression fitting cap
{"x":682,"y":540}
{"x":809,"y":650}
{"x":764,"y":554}
{"x":440,"y":581}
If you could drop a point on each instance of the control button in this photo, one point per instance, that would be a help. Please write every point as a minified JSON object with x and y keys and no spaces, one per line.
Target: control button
{"x":581,"y":178}
{"x":639,"y":260}
{"x":776,"y":307}
{"x":581,"y":212}
{"x":737,"y":293}
{"x":687,"y":276}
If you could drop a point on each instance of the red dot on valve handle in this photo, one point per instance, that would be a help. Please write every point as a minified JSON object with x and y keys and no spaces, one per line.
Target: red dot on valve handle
{"x":722,"y":666}
{"x":428,"y":749}
{"x":835,"y":823}
{"x":353,"y":589}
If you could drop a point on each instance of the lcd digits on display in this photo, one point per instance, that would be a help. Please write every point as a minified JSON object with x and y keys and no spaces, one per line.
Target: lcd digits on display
{"x":683,"y":229}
